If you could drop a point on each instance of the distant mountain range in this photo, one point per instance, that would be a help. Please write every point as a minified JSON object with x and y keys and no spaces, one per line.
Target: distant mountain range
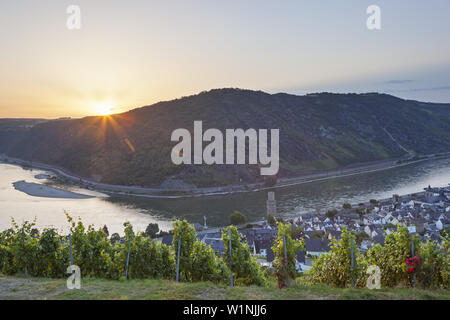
{"x":317,"y":132}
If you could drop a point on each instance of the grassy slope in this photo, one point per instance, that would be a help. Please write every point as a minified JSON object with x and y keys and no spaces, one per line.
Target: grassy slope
{"x":34,"y":288}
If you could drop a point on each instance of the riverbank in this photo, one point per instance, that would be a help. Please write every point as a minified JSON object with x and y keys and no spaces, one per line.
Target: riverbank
{"x":150,"y":192}
{"x":40,"y":190}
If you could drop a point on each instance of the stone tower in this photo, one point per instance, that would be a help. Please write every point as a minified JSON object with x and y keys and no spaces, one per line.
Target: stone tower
{"x":271,"y":204}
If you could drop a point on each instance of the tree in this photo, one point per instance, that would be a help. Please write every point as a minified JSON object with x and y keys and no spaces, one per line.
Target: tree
{"x":296,"y":231}
{"x":285,"y":267}
{"x":373,"y":201}
{"x":347,"y":206}
{"x":331,"y":213}
{"x":115,"y":237}
{"x":360,"y":237}
{"x":360,"y":213}
{"x":151,"y":230}
{"x":105,"y":230}
{"x":237,"y":218}
{"x":271,"y":220}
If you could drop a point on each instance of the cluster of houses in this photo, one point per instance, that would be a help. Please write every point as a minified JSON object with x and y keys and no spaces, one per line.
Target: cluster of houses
{"x":428,"y":212}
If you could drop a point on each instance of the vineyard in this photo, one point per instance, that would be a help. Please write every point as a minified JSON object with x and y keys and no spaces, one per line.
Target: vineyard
{"x":49,"y":254}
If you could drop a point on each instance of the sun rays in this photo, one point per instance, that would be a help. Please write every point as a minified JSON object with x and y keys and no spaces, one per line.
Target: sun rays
{"x":105,"y":109}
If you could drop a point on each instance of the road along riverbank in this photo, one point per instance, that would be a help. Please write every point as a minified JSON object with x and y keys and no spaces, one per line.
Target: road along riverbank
{"x":152,"y":192}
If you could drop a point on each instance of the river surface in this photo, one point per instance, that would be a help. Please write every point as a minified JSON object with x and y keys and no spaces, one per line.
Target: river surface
{"x":140,"y":211}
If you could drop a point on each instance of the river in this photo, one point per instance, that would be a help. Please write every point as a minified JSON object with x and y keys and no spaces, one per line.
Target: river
{"x":291,"y":201}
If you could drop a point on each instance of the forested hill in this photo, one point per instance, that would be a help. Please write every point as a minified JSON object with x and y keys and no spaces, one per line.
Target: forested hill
{"x":317,"y":131}
{"x":13,"y":130}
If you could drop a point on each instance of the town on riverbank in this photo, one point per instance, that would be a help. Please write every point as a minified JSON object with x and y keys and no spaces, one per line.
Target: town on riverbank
{"x":427,"y":214}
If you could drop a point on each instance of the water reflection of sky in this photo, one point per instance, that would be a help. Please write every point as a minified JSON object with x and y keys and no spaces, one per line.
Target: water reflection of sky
{"x":50,"y":212}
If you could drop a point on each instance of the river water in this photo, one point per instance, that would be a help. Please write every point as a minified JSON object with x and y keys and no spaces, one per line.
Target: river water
{"x":291,"y":201}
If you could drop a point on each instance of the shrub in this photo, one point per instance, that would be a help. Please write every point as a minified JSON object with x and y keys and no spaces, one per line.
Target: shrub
{"x":54,"y":254}
{"x":271,"y":220}
{"x":148,"y":259}
{"x":347,"y":206}
{"x":237,"y":218}
{"x":105,"y":230}
{"x":198,"y":261}
{"x":335,"y":268}
{"x":90,"y":249}
{"x":391,"y":257}
{"x":187,"y":242}
{"x":243,"y":265}
{"x":7,"y":263}
{"x":206,"y":266}
{"x":331,"y":213}
{"x":46,"y":256}
{"x":49,"y":255}
{"x":151,"y":230}
{"x":361,"y":236}
{"x":434,"y":269}
{"x":115,"y":237}
{"x":296,"y":231}
{"x":285,"y":268}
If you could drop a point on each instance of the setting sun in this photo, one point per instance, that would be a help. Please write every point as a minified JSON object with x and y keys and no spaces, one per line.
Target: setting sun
{"x":104,"y":109}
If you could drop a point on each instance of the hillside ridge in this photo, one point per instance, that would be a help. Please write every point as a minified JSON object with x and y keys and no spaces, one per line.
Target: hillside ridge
{"x":318,"y":131}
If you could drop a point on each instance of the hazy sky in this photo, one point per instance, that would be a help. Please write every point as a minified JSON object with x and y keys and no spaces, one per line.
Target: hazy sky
{"x":133,"y":53}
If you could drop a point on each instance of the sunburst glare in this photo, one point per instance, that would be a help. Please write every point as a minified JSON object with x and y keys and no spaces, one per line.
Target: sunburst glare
{"x":105,"y":109}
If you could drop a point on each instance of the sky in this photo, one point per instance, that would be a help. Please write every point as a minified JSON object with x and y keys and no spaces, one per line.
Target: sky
{"x":133,"y":53}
